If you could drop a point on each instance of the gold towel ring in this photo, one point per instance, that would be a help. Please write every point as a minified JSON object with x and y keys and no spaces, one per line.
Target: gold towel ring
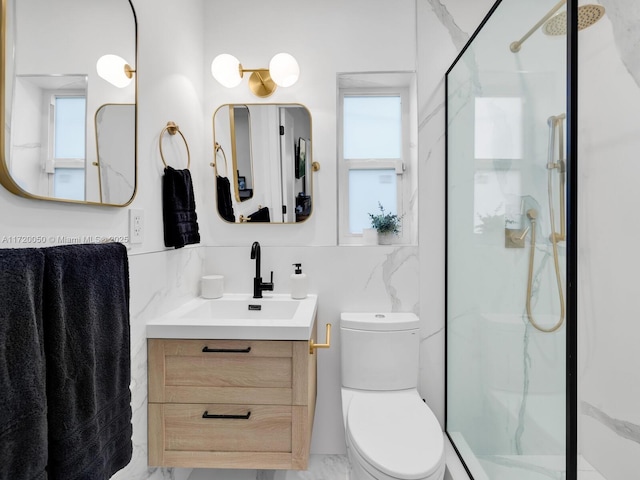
{"x":218,"y":148}
{"x":172,"y":129}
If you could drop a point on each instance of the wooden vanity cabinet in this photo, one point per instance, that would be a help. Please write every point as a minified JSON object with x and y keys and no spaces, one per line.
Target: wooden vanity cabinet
{"x":231,"y":403}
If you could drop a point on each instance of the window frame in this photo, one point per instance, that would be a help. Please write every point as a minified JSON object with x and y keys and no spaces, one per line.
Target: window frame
{"x":345,"y":237}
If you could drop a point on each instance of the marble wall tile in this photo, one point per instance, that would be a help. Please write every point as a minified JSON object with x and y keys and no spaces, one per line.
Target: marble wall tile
{"x":609,"y":99}
{"x":160,"y":282}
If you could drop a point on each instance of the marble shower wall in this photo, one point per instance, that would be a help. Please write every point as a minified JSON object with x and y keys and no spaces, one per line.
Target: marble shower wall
{"x":609,"y":385}
{"x":443,"y":29}
{"x":609,"y":235}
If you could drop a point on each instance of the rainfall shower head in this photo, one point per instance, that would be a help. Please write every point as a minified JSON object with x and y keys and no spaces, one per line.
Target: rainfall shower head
{"x":587,"y":16}
{"x":557,"y":25}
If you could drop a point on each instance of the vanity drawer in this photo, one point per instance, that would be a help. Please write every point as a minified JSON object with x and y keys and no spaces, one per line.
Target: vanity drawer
{"x":257,"y":428}
{"x":220,"y":371}
{"x":274,"y":380}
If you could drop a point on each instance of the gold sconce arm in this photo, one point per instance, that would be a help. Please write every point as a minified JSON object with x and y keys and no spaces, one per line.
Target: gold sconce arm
{"x":313,"y":345}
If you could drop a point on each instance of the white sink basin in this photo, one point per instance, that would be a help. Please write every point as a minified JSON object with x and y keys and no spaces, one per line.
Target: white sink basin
{"x":239,"y":316}
{"x":240,"y":307}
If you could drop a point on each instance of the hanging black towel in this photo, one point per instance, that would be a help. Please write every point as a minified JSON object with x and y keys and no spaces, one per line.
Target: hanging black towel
{"x":86,"y":332}
{"x":23,"y":405}
{"x":179,"y":209}
{"x":262,"y":215}
{"x":225,"y":206}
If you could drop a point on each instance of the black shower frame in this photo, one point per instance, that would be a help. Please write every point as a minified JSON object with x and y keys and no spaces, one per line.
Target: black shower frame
{"x":571,"y":407}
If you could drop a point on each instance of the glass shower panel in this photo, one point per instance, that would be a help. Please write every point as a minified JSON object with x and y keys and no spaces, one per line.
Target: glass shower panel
{"x":506,"y":253}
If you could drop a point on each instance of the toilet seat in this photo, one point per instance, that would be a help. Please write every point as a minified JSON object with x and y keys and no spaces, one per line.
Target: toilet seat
{"x":397,"y":434}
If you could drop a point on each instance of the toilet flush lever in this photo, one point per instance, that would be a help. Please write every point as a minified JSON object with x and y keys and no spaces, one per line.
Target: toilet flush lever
{"x":313,"y":345}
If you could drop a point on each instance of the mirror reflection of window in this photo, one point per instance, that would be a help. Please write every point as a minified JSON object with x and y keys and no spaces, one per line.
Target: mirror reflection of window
{"x":498,"y":128}
{"x":498,"y":141}
{"x":68,"y":130}
{"x":494,"y":192}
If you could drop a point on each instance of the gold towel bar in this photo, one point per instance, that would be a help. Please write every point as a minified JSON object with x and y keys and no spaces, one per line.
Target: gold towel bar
{"x":244,"y":219}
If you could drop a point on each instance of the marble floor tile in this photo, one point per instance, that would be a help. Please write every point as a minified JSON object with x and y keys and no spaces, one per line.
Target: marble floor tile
{"x":321,"y":467}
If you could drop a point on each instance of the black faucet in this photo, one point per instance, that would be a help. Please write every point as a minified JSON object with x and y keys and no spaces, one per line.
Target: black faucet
{"x":258,"y":285}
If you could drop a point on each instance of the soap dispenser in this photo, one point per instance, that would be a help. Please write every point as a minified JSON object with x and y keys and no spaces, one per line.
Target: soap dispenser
{"x":298,"y":283}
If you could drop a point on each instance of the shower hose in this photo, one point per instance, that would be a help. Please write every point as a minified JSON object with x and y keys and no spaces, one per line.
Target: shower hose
{"x":554,"y":122}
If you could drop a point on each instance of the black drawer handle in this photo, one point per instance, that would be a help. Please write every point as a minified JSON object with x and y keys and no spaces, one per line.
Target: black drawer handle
{"x":236,"y":417}
{"x":226,"y":350}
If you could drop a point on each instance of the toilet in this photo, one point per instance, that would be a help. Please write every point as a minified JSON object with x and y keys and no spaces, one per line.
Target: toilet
{"x":391,"y":433}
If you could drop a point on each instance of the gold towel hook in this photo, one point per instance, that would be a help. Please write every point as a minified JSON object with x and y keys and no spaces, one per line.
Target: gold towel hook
{"x":172,"y":129}
{"x":327,"y":344}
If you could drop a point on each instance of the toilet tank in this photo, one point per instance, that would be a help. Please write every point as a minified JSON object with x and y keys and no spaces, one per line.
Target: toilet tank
{"x":379,"y":351}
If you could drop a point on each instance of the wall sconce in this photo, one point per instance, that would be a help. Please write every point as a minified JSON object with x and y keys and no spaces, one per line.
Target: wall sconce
{"x":283,"y":71}
{"x":115,"y":70}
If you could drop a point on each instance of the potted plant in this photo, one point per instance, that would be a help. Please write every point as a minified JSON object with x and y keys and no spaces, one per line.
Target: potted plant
{"x":387,"y":225}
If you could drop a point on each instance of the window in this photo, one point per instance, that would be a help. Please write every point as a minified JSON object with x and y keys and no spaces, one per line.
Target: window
{"x":67,"y":145}
{"x":373,"y":146}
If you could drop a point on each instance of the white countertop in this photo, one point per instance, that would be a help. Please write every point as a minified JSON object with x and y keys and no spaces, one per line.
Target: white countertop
{"x":233,"y":317}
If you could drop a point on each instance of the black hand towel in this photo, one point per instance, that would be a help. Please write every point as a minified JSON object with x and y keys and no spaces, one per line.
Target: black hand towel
{"x":86,"y":331}
{"x":225,"y":205}
{"x":261,"y":215}
{"x":179,"y":209}
{"x":23,"y":406}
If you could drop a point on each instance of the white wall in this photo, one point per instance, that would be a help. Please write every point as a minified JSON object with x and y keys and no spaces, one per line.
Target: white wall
{"x":326,"y":38}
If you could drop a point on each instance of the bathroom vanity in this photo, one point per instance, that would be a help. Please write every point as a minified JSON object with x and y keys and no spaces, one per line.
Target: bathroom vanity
{"x":232,"y":383}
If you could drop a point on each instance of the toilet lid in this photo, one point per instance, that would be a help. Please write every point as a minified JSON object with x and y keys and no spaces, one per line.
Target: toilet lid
{"x":397,"y":433}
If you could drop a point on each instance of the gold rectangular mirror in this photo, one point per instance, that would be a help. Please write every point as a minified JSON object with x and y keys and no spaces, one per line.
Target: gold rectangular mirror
{"x":70,"y":134}
{"x":263,"y":162}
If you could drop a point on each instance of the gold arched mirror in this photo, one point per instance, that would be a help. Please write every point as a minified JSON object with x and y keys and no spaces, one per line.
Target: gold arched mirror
{"x":70,"y":127}
{"x":263,"y":162}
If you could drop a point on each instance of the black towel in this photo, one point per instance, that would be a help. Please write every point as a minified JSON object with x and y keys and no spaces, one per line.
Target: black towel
{"x":23,"y":407}
{"x":179,"y":209}
{"x":86,"y":331}
{"x":225,"y":205}
{"x":262,"y":215}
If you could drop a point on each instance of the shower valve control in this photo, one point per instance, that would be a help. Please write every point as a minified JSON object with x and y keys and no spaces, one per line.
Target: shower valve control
{"x":514,"y":238}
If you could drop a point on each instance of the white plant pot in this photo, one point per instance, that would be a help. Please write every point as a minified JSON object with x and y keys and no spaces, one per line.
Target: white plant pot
{"x":385,"y":238}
